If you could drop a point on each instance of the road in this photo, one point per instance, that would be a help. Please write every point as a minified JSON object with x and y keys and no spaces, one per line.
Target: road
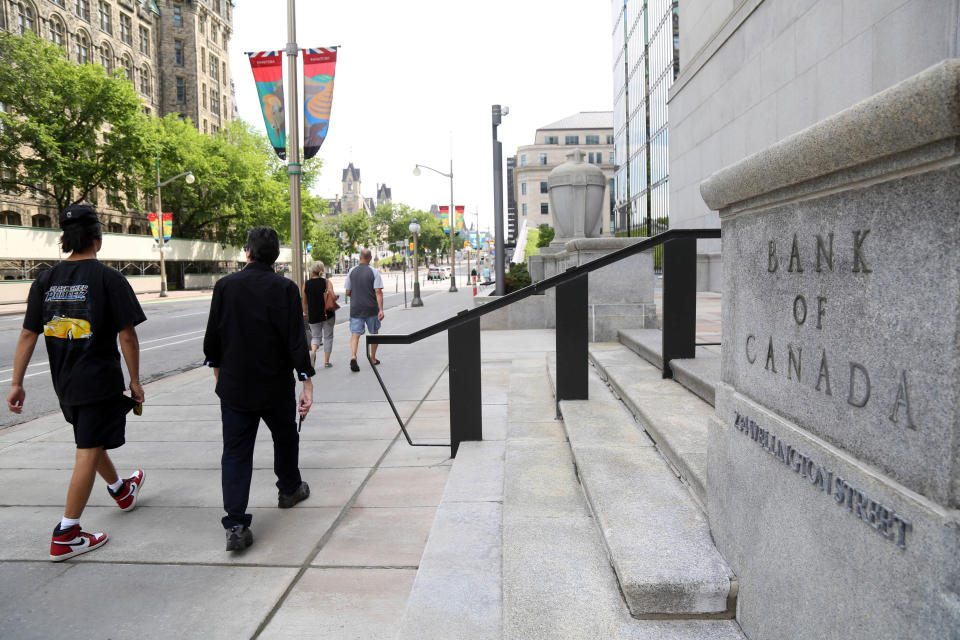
{"x":171,"y":341}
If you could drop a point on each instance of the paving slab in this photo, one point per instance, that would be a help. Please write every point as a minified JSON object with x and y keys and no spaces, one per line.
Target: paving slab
{"x":378,"y":537}
{"x":42,"y":600}
{"x":541,"y":480}
{"x":477,"y":475}
{"x":343,"y":603}
{"x":402,"y":454}
{"x":404,"y":487}
{"x":548,"y":430}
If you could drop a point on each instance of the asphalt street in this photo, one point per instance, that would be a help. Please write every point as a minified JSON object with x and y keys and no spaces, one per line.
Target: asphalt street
{"x":170,"y":342}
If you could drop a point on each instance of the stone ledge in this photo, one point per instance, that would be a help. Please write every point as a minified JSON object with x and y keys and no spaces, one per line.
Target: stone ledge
{"x":918,"y":111}
{"x":656,"y":536}
{"x":699,"y":375}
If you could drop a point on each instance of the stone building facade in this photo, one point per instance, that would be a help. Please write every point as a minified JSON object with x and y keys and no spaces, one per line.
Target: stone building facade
{"x":174,"y":52}
{"x":591,"y":131}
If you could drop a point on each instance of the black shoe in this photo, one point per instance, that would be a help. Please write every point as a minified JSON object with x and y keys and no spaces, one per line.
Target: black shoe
{"x":287,"y":501}
{"x":239,"y":538}
{"x":354,"y":366}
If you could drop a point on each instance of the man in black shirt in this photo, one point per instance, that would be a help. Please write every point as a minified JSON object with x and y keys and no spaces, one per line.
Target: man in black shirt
{"x":254,"y":341}
{"x":81,"y":306}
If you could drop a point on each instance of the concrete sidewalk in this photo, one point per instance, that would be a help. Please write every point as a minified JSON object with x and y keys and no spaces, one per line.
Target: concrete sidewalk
{"x":339,"y":565}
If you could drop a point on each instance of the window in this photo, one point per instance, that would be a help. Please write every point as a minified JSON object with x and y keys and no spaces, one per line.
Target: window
{"x":551,"y":140}
{"x":178,"y":52}
{"x":203,"y":57}
{"x":10,"y":218}
{"x":543,"y":187}
{"x":205,"y":121}
{"x":214,"y":100}
{"x":543,"y":158}
{"x":524,"y":209}
{"x":214,"y":67}
{"x":523,"y":161}
{"x":145,"y":80}
{"x":126,"y":29}
{"x":127,"y":67}
{"x":223,"y":68}
{"x":106,"y":57}
{"x":593,"y":139}
{"x":214,"y":33}
{"x":609,"y":139}
{"x":41,"y":221}
{"x":177,"y":15}
{"x":59,"y":3}
{"x":181,"y":90}
{"x":203,"y":95}
{"x":26,"y":19}
{"x":56,"y":31}
{"x":144,"y":41}
{"x":82,"y":9}
{"x":612,"y":161}
{"x":216,"y":5}
{"x":544,"y":208}
{"x":202,"y":22}
{"x":106,"y":21}
{"x":572,"y":140}
{"x":523,"y":188}
{"x":81,"y":47}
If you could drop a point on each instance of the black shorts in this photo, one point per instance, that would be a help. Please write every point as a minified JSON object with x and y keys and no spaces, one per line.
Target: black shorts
{"x":100,"y":424}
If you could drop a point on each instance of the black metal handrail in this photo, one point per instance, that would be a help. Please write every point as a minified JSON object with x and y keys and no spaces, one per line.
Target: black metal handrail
{"x":464,"y":328}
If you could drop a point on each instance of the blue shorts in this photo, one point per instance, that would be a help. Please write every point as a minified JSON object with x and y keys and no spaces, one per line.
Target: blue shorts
{"x":372,"y":323}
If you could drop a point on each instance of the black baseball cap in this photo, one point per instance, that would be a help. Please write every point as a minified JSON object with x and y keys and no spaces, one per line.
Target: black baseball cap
{"x":78,"y":213}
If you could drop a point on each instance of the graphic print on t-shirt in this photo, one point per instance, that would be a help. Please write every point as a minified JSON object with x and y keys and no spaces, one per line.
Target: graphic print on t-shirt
{"x":69,"y":312}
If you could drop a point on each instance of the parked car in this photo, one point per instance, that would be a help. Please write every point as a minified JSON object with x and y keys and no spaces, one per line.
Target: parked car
{"x":435,"y":273}
{"x":446,"y":271}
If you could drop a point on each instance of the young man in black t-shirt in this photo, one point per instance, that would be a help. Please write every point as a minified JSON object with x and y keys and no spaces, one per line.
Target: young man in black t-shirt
{"x":81,"y":306}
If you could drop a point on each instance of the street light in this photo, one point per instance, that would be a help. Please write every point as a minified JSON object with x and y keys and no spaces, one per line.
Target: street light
{"x":453,"y":215}
{"x":415,"y":230}
{"x":190,"y":179}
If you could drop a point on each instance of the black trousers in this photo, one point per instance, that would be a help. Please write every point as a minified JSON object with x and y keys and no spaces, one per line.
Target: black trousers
{"x":239,"y":438}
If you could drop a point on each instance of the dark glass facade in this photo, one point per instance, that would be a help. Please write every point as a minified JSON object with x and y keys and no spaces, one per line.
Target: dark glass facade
{"x":646,"y":62}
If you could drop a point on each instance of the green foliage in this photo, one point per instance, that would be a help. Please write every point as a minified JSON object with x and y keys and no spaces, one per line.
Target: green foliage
{"x":357,"y":228}
{"x":546,"y":234}
{"x":68,"y":129}
{"x":517,"y":278}
{"x":533,"y":237}
{"x":431,"y":232}
{"x":323,"y":237}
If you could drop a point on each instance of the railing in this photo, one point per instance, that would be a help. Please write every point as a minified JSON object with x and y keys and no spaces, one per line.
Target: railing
{"x":463,"y":330}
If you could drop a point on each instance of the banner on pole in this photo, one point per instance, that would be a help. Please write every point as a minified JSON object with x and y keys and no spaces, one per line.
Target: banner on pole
{"x":445,"y":218}
{"x":154,"y":225}
{"x":267,"y":69}
{"x":167,"y":226}
{"x":459,"y":218}
{"x":319,"y":66}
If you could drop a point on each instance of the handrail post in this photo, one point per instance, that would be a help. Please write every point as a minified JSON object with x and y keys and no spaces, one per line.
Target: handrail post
{"x":679,"y":301}
{"x":466,"y":416}
{"x":572,"y":363}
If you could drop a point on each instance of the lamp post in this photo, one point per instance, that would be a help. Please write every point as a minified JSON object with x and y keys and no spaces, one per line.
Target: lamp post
{"x":453,"y":215}
{"x":498,"y":113}
{"x":415,"y":230}
{"x":190,"y":178}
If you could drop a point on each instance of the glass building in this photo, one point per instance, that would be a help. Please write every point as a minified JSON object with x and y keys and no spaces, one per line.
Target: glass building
{"x":645,"y":63}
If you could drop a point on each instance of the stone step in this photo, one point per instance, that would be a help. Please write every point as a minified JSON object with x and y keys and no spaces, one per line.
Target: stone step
{"x":457,"y":591}
{"x":674,"y":418}
{"x":700,"y":374}
{"x":655,"y":534}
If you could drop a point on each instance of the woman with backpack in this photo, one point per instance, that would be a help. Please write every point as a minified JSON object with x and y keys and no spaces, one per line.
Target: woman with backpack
{"x":319,"y":305}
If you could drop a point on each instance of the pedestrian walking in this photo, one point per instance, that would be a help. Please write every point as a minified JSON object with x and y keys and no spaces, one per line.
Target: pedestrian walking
{"x":254,"y":342}
{"x":365,"y":288}
{"x":321,"y":321}
{"x":81,"y":307}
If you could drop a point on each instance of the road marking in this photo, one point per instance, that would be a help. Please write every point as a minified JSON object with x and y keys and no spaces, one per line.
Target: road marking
{"x":186,"y":315}
{"x":35,"y":364}
{"x":170,"y":344}
{"x":29,"y":375}
{"x":178,"y":335}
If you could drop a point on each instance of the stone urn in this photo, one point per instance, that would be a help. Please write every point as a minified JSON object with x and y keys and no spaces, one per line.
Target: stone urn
{"x":576,"y":198}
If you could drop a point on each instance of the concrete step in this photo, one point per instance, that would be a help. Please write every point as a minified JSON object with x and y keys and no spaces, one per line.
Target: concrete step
{"x":655,"y":534}
{"x":457,"y":591}
{"x":675,"y":418}
{"x":700,"y":374}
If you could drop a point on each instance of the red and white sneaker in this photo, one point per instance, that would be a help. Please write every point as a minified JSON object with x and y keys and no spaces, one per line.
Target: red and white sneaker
{"x":73,"y":541}
{"x":126,"y":497}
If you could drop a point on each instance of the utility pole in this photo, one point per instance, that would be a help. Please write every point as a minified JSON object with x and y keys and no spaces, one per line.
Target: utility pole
{"x":499,"y":288}
{"x":293,"y":158}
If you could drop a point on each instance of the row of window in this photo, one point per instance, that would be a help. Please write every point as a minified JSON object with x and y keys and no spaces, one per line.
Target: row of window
{"x":575,"y":140}
{"x":27,"y":21}
{"x":593,"y":157}
{"x":42,"y":221}
{"x":544,"y":209}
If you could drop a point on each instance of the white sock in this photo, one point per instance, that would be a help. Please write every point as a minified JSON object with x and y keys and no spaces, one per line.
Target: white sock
{"x":66,"y":523}
{"x":116,"y":485}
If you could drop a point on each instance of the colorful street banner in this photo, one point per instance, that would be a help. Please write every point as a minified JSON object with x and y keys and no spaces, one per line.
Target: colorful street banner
{"x":319,"y":66}
{"x":267,"y":69}
{"x":154,"y":225}
{"x":445,"y":218}
{"x":167,"y":226}
{"x":459,"y":218}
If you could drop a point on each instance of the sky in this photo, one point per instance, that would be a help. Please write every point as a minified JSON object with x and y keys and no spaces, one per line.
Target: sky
{"x":415,"y":81}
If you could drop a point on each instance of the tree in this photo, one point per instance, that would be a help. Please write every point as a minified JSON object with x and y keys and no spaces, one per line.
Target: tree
{"x":324,"y":240}
{"x":66,"y":129}
{"x":546,"y":235}
{"x":357,"y":228}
